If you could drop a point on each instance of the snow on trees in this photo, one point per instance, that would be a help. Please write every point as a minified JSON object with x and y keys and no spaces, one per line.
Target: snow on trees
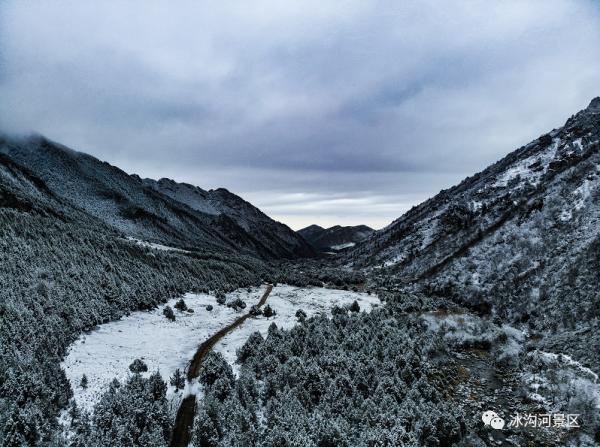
{"x":177,"y":380}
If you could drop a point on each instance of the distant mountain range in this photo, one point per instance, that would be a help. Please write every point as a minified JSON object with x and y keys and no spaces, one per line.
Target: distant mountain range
{"x":335,"y":238}
{"x":157,"y":211}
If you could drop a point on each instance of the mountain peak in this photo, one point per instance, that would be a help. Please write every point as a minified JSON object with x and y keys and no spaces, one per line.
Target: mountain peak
{"x":594,"y":106}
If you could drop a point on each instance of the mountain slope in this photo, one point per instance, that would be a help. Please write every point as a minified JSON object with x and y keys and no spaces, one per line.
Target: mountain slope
{"x":277,"y":237}
{"x":520,"y":238}
{"x":336,"y":237}
{"x":64,"y":271}
{"x":127,"y":204}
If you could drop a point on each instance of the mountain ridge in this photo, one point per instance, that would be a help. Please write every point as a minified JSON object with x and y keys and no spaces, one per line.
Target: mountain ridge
{"x":520,"y":239}
{"x":125,"y":203}
{"x":336,"y":237}
{"x":221,"y":202}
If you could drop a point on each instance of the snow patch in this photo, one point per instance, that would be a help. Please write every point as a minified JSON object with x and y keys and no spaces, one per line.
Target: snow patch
{"x":583,"y":192}
{"x":156,"y":246}
{"x":106,"y":352}
{"x":192,"y":388}
{"x":476,"y":205}
{"x":565,"y":215}
{"x":342,"y":246}
{"x":529,"y":169}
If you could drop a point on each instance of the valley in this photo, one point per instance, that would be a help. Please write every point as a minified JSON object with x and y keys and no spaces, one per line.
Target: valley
{"x":484,"y":297}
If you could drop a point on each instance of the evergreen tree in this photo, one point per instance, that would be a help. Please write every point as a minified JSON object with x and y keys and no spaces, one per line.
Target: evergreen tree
{"x":138,"y":366}
{"x":177,"y":380}
{"x":301,"y":315}
{"x":268,"y":311}
{"x":221,"y":298}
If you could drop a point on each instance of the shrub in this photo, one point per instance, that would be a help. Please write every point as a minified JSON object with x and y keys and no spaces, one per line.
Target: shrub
{"x":180,"y":305}
{"x":138,"y":366}
{"x":168,"y":312}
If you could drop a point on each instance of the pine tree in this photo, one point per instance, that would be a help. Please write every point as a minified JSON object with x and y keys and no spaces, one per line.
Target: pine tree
{"x":138,"y":366}
{"x":221,"y":298}
{"x":301,"y":315}
{"x":19,"y":430}
{"x":84,"y":382}
{"x":177,"y":380}
{"x":268,"y":311}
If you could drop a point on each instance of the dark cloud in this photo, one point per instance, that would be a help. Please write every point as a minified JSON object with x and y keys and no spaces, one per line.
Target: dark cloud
{"x":325,"y":112}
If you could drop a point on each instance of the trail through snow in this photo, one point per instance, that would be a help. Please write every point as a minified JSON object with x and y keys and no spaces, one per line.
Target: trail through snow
{"x":107,"y":351}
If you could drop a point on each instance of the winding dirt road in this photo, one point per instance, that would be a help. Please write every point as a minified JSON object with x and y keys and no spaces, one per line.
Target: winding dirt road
{"x":182,"y":432}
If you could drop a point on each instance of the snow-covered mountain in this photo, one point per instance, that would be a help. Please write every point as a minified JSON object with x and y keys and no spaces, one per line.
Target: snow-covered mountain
{"x":136,"y":209}
{"x":521,"y":237}
{"x":336,"y":237}
{"x":279,"y":238}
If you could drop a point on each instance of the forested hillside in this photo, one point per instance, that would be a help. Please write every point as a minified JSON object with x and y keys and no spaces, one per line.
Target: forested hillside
{"x":63,"y":272}
{"x":354,"y":380}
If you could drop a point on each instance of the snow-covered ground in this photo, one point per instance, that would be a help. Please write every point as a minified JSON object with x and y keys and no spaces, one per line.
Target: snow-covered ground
{"x":107,"y":352}
{"x":285,"y":301}
{"x":342,"y":246}
{"x":523,"y":168}
{"x":156,"y":246}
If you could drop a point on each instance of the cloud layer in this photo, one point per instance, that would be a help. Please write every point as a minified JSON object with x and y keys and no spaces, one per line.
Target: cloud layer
{"x":319,"y":112}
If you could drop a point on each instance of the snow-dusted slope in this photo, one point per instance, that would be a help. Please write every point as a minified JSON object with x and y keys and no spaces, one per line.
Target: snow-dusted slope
{"x":279,"y":238}
{"x":521,"y":238}
{"x":561,"y":165}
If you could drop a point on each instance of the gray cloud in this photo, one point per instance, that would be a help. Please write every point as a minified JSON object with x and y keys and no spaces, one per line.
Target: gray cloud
{"x":316,"y":111}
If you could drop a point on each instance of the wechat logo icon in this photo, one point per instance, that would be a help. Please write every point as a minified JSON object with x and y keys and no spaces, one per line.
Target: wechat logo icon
{"x":492,"y":419}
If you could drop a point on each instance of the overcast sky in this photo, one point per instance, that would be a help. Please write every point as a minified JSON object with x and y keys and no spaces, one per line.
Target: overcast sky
{"x":345,"y":112}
